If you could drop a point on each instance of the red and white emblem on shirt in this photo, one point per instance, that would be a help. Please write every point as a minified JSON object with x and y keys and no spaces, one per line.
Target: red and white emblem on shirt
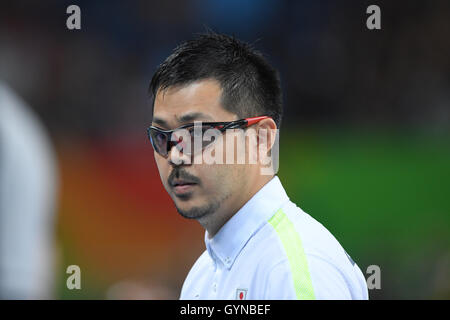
{"x":241,"y":294}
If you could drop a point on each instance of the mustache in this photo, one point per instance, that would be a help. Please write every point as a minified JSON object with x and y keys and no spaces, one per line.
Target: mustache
{"x":179,"y":173}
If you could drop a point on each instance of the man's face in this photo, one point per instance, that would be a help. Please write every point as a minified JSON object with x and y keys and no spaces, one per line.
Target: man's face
{"x":196,"y":189}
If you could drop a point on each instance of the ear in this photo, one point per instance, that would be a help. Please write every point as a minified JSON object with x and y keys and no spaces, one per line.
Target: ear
{"x":267,"y":132}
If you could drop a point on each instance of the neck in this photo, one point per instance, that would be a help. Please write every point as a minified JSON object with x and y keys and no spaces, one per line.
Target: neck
{"x":215,"y":221}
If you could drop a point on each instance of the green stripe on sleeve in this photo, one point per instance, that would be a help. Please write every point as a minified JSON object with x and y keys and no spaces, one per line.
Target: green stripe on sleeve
{"x":297,"y":260}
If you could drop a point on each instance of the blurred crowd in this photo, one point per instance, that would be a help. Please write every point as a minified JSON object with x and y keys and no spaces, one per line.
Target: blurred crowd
{"x":334,"y":70}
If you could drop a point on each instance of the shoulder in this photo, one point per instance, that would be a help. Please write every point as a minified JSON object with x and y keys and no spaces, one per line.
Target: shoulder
{"x":316,"y":260}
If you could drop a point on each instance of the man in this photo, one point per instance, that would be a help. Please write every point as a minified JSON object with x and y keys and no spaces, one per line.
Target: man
{"x":259,"y":245}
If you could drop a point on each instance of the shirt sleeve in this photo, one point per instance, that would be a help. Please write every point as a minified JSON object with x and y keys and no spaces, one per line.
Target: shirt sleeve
{"x":328,"y":282}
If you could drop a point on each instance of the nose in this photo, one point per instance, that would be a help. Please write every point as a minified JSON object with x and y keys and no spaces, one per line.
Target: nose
{"x":177,"y":157}
{"x":179,"y":144}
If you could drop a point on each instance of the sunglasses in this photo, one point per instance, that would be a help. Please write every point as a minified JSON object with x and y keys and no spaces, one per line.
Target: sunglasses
{"x":162,"y":140}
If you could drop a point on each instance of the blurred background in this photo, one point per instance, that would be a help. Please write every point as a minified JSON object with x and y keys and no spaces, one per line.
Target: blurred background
{"x":364,"y":148}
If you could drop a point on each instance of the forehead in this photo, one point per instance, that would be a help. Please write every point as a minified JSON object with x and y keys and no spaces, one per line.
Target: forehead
{"x":198,"y":97}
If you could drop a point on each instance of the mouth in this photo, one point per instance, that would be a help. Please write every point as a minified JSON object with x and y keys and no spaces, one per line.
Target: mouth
{"x":181,"y":187}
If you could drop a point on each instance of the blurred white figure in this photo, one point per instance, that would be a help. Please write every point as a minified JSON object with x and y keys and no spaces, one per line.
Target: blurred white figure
{"x":27,"y":202}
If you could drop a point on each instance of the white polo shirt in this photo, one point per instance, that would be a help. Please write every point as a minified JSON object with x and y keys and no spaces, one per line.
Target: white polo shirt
{"x":271,"y":249}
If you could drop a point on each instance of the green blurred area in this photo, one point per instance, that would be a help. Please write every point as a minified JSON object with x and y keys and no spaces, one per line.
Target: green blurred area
{"x":383,"y":195}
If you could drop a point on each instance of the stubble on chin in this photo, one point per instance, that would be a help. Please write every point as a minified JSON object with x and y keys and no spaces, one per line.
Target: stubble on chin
{"x":200,"y":212}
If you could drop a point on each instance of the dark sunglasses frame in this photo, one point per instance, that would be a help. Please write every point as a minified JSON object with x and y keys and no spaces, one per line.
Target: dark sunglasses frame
{"x":221,"y":126}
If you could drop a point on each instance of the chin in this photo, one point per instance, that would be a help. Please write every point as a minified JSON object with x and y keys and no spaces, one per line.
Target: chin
{"x":192,"y":210}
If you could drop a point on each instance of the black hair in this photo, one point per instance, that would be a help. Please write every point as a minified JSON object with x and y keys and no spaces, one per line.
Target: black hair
{"x":250,"y":85}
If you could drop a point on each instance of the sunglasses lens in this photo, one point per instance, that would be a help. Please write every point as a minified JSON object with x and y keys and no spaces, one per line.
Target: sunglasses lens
{"x":209,"y":137}
{"x":203,"y":136}
{"x":184,"y":141}
{"x":159,"y":141}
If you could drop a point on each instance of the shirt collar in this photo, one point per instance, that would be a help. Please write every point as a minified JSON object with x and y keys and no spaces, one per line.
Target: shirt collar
{"x":236,"y":232}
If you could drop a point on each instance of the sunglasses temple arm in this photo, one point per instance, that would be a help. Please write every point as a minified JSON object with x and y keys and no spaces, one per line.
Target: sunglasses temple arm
{"x":251,"y":121}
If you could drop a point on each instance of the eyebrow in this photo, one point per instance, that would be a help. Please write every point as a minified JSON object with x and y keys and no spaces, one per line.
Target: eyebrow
{"x":193,"y":116}
{"x":159,"y":121}
{"x":186,"y":118}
